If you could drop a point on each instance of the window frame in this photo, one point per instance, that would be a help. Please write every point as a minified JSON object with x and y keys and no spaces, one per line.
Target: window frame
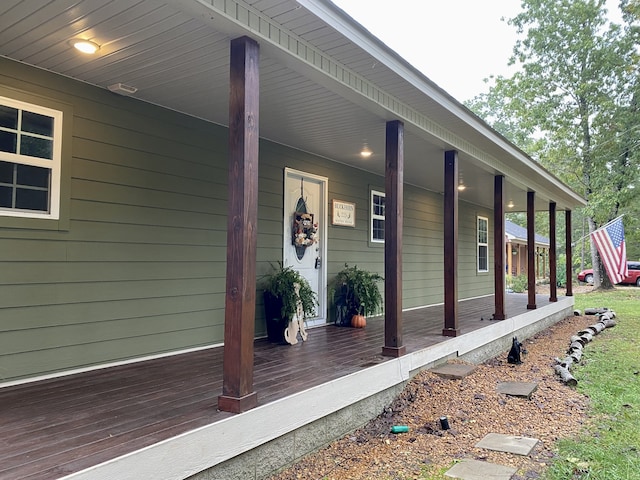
{"x":481,"y":244}
{"x":373,"y":216}
{"x":54,"y":164}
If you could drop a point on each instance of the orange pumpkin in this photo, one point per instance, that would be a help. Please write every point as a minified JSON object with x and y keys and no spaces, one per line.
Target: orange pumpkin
{"x":358,"y":321}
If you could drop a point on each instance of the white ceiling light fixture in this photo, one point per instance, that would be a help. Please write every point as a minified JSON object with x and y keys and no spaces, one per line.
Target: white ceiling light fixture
{"x":461,"y":185}
{"x":510,"y":204}
{"x":85,"y":46}
{"x":366,"y":151}
{"x":122,"y":89}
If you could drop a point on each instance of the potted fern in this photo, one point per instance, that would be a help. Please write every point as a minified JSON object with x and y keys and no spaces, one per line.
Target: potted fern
{"x":356,"y":294}
{"x":286,"y":293}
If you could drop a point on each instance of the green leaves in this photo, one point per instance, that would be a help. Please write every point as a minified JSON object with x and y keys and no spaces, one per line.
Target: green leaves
{"x":359,"y":290}
{"x":574,"y":105}
{"x":283,"y":283}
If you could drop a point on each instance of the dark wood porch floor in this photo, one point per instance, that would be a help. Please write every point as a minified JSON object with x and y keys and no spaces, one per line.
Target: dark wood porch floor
{"x":56,"y":427}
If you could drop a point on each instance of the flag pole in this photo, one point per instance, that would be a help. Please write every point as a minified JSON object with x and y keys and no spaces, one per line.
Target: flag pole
{"x":575,"y":242}
{"x":612,"y":221}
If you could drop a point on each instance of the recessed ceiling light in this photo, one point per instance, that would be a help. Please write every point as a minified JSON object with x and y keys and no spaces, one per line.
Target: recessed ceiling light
{"x":85,"y":46}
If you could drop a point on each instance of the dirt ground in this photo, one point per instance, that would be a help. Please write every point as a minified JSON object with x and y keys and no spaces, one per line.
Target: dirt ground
{"x":473,"y":408}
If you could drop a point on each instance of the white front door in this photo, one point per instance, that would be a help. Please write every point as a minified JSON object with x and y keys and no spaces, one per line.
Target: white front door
{"x":303,"y":191}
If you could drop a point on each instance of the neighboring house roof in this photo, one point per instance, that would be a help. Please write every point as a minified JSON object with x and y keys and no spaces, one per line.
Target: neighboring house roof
{"x":516,"y":232}
{"x":327,"y":85}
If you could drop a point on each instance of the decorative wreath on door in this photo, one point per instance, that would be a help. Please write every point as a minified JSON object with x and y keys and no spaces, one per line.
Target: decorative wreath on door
{"x":304,"y":230}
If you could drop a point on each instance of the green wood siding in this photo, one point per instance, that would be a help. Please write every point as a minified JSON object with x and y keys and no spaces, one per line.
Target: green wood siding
{"x":137,"y":264}
{"x":472,"y":283}
{"x":140,"y":268}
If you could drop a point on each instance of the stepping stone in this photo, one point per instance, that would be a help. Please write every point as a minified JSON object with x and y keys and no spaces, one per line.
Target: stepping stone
{"x":454,"y":371}
{"x":518,"y":389}
{"x":475,"y":470}
{"x":508,"y":443}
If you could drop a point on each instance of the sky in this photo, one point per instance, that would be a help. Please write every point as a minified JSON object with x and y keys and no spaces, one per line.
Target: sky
{"x":455,"y":43}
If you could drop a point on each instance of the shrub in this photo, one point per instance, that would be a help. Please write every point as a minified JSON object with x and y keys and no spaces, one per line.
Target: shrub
{"x":518,"y":284}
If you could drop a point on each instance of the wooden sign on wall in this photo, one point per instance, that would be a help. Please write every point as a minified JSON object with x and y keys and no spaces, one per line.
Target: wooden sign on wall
{"x":344,"y":213}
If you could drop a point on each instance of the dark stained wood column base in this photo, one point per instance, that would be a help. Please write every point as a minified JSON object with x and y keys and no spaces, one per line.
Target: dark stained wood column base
{"x":450,"y":332}
{"x":553,"y":299}
{"x":394,"y":351}
{"x":237,"y":405}
{"x":499,"y":317}
{"x":531,"y":307}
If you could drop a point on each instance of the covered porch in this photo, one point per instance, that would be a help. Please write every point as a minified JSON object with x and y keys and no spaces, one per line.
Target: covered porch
{"x":159,"y":418}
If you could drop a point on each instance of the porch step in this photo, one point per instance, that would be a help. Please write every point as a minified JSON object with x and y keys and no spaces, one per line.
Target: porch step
{"x":508,"y":443}
{"x":476,"y":470}
{"x":455,"y":371}
{"x":518,"y":389}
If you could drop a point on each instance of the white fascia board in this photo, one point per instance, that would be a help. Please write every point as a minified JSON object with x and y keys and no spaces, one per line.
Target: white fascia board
{"x":336,"y":18}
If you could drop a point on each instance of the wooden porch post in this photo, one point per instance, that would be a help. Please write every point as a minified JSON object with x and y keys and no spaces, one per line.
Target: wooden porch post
{"x":499,"y":246}
{"x":531,"y":250}
{"x":569,"y":266}
{"x":239,"y":330}
{"x":450,"y":244}
{"x":553,"y":276}
{"x":394,"y":191}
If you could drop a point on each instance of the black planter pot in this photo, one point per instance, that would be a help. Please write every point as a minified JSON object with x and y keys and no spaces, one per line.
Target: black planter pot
{"x":275,"y":323}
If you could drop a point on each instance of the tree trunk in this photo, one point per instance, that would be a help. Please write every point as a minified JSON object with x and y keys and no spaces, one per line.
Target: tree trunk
{"x":600,"y":277}
{"x":595,"y":258}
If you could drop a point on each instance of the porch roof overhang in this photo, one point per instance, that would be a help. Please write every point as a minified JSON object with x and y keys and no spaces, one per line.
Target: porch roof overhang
{"x":327,"y":86}
{"x":517,"y":234}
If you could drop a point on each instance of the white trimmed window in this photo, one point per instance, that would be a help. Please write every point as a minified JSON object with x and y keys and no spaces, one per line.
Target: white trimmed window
{"x":483,"y":244}
{"x":377,"y":216}
{"x":30,"y":158}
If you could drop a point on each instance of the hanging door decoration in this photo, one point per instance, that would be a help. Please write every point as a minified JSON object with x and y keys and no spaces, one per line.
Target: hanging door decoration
{"x":304,"y":231}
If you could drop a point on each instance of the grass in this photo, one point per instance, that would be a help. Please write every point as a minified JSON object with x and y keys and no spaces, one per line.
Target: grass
{"x":609,"y":448}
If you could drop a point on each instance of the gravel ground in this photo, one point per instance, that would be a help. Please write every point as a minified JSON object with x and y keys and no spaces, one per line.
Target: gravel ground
{"x":474,"y":409}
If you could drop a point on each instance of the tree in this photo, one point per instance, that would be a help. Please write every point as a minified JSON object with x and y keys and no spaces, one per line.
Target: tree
{"x":573,"y":104}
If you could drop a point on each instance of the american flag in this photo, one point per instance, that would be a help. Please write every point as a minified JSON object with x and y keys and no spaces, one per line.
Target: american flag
{"x":609,"y":241}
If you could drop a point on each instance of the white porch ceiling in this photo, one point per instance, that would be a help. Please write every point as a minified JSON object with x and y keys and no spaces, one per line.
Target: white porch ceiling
{"x":176,"y":53}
